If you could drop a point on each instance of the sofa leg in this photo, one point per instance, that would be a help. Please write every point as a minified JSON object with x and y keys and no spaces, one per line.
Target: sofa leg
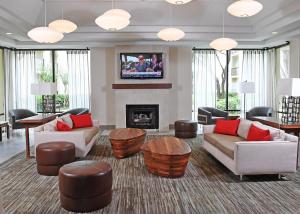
{"x":279,"y":176}
{"x":241,"y":177}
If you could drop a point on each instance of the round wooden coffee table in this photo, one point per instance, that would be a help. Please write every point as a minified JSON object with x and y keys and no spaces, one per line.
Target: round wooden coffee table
{"x":166,"y":156}
{"x":126,"y":141}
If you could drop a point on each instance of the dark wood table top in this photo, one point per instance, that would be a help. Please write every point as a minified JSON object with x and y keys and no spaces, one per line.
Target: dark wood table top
{"x":276,"y":122}
{"x":38,"y":119}
{"x":167,"y":146}
{"x":126,"y":133}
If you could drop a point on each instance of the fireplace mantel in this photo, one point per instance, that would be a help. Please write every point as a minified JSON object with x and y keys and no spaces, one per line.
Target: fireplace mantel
{"x":143,"y":86}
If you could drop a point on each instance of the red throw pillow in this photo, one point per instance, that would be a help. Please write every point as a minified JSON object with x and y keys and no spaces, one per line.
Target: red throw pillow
{"x":257,"y":134}
{"x":81,"y":121}
{"x":228,"y":127}
{"x":62,"y":126}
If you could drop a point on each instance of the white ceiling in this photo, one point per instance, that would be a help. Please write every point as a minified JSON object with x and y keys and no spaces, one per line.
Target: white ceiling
{"x":200,"y":19}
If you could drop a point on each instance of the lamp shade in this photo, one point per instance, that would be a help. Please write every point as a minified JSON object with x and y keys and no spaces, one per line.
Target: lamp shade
{"x":289,"y":87}
{"x":178,"y":2}
{"x":45,"y":35}
{"x":63,"y":26}
{"x":118,"y":12}
{"x":247,"y":87}
{"x":113,"y":20}
{"x":43,"y":88}
{"x":171,"y":34}
{"x":245,"y":8}
{"x":223,"y":44}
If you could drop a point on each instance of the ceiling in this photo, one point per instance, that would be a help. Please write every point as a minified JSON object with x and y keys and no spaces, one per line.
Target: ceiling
{"x":200,"y":19}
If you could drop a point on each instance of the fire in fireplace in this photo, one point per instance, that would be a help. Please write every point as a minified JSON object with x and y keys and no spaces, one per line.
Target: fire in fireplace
{"x":142,"y":116}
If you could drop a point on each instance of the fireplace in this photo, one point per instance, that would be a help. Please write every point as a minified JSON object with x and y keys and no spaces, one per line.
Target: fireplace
{"x":142,"y":116}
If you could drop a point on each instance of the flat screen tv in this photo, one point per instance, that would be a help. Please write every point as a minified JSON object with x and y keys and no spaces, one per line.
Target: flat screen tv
{"x":142,"y":66}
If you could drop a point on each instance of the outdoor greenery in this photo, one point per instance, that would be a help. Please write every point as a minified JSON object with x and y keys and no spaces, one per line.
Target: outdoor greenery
{"x":233,"y":101}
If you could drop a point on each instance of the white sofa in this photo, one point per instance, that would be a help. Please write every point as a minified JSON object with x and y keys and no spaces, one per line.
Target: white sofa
{"x":83,"y":138}
{"x":248,"y":158}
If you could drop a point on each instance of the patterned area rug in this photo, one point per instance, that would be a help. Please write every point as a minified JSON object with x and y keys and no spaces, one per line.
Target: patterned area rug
{"x":207,"y":187}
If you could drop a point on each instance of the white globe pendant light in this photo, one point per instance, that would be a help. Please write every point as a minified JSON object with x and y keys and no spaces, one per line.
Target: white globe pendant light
{"x":171,"y":34}
{"x":45,"y":34}
{"x":223,"y":44}
{"x":114,"y":19}
{"x":245,"y":8}
{"x":178,"y":2}
{"x":63,"y":26}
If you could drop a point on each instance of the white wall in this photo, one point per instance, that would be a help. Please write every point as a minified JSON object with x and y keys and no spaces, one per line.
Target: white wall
{"x":295,"y":57}
{"x":105,"y":71}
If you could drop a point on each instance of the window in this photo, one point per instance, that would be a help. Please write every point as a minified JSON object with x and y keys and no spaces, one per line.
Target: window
{"x":44,"y":71}
{"x":62,"y":80}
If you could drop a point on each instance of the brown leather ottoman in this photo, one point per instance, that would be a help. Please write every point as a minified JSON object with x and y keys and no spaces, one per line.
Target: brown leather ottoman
{"x":186,"y":129}
{"x":53,"y":155}
{"x":85,"y":186}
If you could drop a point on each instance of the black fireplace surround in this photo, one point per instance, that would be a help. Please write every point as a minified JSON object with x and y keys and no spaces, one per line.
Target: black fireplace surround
{"x":142,"y":116}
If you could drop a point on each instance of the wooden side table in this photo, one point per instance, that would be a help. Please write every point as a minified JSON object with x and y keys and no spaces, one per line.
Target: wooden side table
{"x":4,"y":124}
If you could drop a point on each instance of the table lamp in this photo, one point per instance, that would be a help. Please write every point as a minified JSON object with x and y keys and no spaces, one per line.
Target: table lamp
{"x":44,"y":89}
{"x":246,"y":88}
{"x":290,"y":90}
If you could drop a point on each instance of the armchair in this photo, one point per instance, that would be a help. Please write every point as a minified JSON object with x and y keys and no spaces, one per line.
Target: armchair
{"x":261,"y":111}
{"x":76,"y":111}
{"x":209,"y":115}
{"x":18,"y":114}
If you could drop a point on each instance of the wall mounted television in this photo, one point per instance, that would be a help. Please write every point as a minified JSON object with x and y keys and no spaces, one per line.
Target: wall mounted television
{"x":142,"y":65}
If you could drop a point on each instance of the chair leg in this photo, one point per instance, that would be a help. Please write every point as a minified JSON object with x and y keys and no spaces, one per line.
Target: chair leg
{"x":241,"y":177}
{"x":279,"y":176}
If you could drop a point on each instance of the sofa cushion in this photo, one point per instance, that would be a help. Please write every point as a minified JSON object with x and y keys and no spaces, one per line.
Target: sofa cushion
{"x":62,"y":126}
{"x":88,"y":132}
{"x":257,"y":134}
{"x":225,"y":143}
{"x":82,"y":121}
{"x":67,"y":119}
{"x":276,"y":134}
{"x":228,"y":127}
{"x":51,"y":126}
{"x":244,"y":127}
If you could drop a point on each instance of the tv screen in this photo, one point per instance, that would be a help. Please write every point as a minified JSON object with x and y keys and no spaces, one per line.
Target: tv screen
{"x":141,"y":66}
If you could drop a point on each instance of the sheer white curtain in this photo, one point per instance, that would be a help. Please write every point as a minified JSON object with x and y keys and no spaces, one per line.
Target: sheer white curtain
{"x":25,"y":75}
{"x":9,"y":76}
{"x":259,"y":66}
{"x":79,"y":78}
{"x":204,"y":70}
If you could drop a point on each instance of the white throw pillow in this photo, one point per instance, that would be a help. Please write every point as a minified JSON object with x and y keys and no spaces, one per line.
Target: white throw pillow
{"x":276,"y":134}
{"x":51,"y":126}
{"x":67,"y":119}
{"x":244,"y":127}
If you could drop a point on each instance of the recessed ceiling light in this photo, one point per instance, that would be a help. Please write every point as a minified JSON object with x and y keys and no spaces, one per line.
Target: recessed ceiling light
{"x":8,"y":33}
{"x":274,"y":33}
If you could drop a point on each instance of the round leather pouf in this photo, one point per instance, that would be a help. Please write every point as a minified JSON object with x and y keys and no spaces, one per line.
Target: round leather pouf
{"x":53,"y":155}
{"x":85,"y":186}
{"x":186,"y":129}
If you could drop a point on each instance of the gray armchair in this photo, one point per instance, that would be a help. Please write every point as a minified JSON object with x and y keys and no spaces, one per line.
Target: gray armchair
{"x":209,"y":115}
{"x":261,"y":111}
{"x":76,"y":111}
{"x":18,"y":114}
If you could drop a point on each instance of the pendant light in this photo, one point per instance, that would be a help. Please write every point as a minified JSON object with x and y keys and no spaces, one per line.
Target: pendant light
{"x":178,"y":2}
{"x":62,"y":25}
{"x":245,"y":8}
{"x":114,"y":19}
{"x":45,"y":34}
{"x":223,"y":44}
{"x":171,"y":34}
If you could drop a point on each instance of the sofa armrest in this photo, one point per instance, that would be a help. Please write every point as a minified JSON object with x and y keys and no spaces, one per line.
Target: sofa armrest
{"x":208,"y":129}
{"x":96,"y":123}
{"x":265,"y":157}
{"x":220,"y":113}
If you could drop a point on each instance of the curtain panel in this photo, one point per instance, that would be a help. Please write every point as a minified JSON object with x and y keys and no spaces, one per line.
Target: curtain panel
{"x":204,"y":79}
{"x":25,"y":75}
{"x":79,"y":78}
